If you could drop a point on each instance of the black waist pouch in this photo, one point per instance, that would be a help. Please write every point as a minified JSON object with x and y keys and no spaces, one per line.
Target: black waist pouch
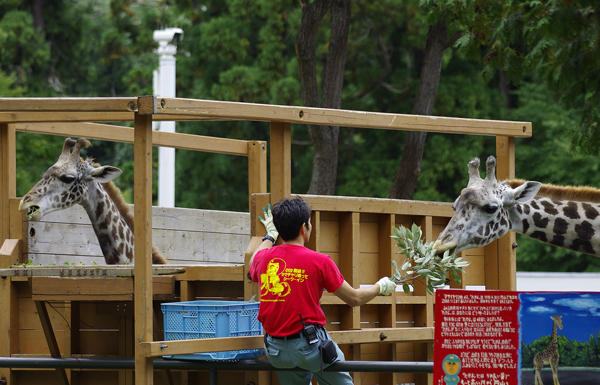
{"x":328,"y":352}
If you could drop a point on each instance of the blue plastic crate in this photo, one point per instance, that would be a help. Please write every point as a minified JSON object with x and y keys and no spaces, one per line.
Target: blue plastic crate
{"x":212,"y":319}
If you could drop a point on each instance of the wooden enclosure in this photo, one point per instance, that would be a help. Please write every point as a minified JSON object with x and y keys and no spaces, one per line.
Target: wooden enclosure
{"x":97,"y":311}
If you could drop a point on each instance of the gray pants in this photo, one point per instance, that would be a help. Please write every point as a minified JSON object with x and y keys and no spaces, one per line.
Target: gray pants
{"x":291,"y":353}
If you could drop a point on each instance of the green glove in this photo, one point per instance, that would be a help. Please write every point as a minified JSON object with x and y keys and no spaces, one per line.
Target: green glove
{"x":267,"y":221}
{"x":386,"y":286}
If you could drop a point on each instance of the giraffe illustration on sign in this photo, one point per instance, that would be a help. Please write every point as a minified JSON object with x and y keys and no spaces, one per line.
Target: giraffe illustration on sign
{"x":567,"y":217}
{"x":72,"y":180}
{"x":549,"y":356}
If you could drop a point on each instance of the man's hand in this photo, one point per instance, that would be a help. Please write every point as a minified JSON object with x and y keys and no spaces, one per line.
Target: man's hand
{"x":267,"y":221}
{"x":386,"y":286}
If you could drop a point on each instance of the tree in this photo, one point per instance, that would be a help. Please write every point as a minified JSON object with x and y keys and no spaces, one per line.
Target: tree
{"x":324,"y":139}
{"x":558,"y":41}
{"x":410,"y":167}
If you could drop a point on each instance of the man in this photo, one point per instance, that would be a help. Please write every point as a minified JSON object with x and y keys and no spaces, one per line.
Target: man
{"x":292,"y":279}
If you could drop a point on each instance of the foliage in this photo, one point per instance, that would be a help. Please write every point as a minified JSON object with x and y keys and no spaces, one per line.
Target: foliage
{"x":547,"y":157}
{"x":558,"y":41}
{"x":422,"y":261}
{"x":241,"y":50}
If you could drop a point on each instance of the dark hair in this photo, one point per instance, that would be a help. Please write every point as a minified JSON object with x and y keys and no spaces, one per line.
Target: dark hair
{"x":289,"y":215}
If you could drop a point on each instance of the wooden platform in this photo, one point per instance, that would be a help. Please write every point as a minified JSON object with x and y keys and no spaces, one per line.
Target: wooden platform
{"x":353,"y":231}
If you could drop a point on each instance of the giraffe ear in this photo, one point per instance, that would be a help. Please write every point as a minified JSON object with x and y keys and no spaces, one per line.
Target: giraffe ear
{"x":526,"y":192}
{"x":105,"y":174}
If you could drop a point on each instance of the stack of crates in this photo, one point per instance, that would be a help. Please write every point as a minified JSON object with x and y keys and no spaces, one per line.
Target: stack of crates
{"x":212,"y":319}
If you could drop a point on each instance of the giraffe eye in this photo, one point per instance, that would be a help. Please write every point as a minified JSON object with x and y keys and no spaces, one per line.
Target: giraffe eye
{"x":490,"y":208}
{"x":68,"y":179}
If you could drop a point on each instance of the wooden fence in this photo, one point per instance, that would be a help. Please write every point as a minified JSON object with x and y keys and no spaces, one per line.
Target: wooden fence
{"x":353,"y":231}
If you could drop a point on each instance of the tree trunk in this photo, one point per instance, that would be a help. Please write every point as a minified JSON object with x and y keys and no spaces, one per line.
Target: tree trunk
{"x":37,"y":11}
{"x":324,"y":138}
{"x":410,"y":165}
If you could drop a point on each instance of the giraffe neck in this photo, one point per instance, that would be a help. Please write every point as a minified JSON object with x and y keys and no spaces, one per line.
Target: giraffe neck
{"x":114,"y":235}
{"x":569,"y":224}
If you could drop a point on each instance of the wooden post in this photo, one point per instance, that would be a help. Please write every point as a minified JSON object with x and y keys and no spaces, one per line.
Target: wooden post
{"x":350,"y":269}
{"x":257,"y":168}
{"x":8,"y":178}
{"x":9,"y":325}
{"x":507,"y":257}
{"x":387,"y":313}
{"x":423,"y":314}
{"x":142,"y":155}
{"x":281,"y":161}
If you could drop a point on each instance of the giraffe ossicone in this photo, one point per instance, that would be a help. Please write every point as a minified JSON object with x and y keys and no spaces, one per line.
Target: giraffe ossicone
{"x":72,"y":180}
{"x":486,"y":209}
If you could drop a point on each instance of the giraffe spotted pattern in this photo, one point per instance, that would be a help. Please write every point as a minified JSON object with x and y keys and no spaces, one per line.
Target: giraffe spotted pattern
{"x":487,"y":209}
{"x":72,"y":180}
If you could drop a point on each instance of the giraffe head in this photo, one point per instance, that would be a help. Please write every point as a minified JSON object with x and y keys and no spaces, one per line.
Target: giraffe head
{"x":485,"y":210}
{"x":557,"y":320}
{"x":66,"y":182}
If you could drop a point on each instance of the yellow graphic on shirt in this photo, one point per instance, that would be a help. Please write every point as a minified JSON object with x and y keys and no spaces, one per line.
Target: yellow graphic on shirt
{"x":274,"y":280}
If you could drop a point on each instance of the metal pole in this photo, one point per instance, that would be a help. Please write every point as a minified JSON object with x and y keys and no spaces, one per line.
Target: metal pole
{"x":159,"y":363}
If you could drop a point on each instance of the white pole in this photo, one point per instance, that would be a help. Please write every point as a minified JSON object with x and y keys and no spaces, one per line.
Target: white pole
{"x":167,"y":47}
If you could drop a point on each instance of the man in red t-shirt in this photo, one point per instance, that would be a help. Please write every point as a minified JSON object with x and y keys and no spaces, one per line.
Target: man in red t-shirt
{"x":292,"y":279}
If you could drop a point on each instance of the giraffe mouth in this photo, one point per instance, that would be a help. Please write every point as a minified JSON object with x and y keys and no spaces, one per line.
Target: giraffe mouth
{"x":32,"y":210}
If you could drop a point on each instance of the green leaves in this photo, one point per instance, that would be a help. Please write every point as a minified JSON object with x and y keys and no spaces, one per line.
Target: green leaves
{"x":422,"y":261}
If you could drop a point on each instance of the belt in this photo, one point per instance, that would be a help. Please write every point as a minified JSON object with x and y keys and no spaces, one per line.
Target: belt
{"x":290,"y":337}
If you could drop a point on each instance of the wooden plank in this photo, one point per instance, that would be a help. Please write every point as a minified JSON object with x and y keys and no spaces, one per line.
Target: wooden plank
{"x":9,"y":324}
{"x":101,"y":289}
{"x":143,"y":330}
{"x":168,"y":218}
{"x":507,"y":256}
{"x":281,"y":161}
{"x":51,"y":339}
{"x":257,"y":169}
{"x":209,"y":236}
{"x":212,"y":272}
{"x":160,"y":348}
{"x":10,"y":253}
{"x":68,"y":104}
{"x":85,"y":271}
{"x":378,"y":205}
{"x":124,"y":134}
{"x":8,"y":178}
{"x":343,"y":118}
{"x":66,"y":116}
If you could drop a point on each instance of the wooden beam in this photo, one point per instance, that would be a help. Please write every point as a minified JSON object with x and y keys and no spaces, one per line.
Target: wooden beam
{"x":257,"y":169}
{"x":378,"y":205}
{"x":94,"y":289}
{"x":281,"y":161}
{"x":343,"y":118}
{"x":64,"y":116}
{"x":507,"y":256}
{"x":8,"y":179}
{"x":9,"y":324}
{"x":51,"y":339}
{"x":78,"y":271}
{"x":143,"y":330}
{"x":365,"y":336}
{"x":68,"y":104}
{"x":124,"y":134}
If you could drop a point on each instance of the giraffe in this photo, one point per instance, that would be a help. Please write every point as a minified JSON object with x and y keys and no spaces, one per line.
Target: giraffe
{"x":549,"y":356}
{"x":72,"y":180}
{"x":567,"y":217}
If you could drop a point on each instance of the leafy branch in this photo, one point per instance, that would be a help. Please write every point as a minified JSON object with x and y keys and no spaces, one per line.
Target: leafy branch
{"x":423,"y":261}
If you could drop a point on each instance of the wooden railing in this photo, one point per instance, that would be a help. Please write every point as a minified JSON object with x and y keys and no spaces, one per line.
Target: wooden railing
{"x":353,"y":217}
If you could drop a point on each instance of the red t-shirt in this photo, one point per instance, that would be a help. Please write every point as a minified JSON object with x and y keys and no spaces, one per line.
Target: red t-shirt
{"x":292,"y":279}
